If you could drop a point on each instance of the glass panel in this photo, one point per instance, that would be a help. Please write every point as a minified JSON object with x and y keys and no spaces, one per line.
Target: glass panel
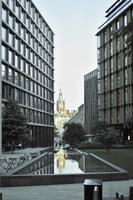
{"x":3,"y":33}
{"x":4,"y":14}
{"x":10,"y":39}
{"x":3,"y":52}
{"x":10,"y":58}
{"x":10,"y":74}
{"x":11,"y":21}
{"x":3,"y":71}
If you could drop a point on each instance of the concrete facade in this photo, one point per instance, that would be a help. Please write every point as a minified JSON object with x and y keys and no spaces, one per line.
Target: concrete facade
{"x":27,"y":66}
{"x":115,"y":67}
{"x":90,"y":101}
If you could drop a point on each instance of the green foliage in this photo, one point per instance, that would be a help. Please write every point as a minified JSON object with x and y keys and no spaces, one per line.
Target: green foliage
{"x":74,"y":134}
{"x":108,"y":137}
{"x":14,"y":126}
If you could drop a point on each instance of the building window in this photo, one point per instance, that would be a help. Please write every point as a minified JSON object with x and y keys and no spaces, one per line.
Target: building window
{"x":10,"y":56}
{"x":10,"y":39}
{"x":125,"y":20}
{"x":3,"y":52}
{"x":105,"y":83}
{"x":118,"y":80}
{"x":98,"y":55}
{"x":3,"y":71}
{"x":111,"y":65}
{"x":117,"y":44}
{"x":117,"y":25}
{"x":111,"y":99}
{"x":126,"y":96}
{"x":22,"y":48}
{"x":27,"y":84}
{"x":111,"y":82}
{"x":11,"y":21}
{"x":125,"y":41}
{"x":104,"y":37}
{"x":118,"y":115}
{"x":10,"y":75}
{"x":17,"y":10}
{"x":117,"y":62}
{"x":105,"y":53}
{"x":3,"y":33}
{"x":105,"y":68}
{"x":16,"y":44}
{"x":4,"y":14}
{"x":17,"y":27}
{"x":22,"y":65}
{"x":16,"y":78}
{"x":16,"y":95}
{"x":118,"y":97}
{"x":111,"y":48}
{"x":126,"y":77}
{"x":16,"y":61}
{"x":11,"y":4}
{"x":27,"y":68}
{"x":22,"y":81}
{"x":125,"y":60}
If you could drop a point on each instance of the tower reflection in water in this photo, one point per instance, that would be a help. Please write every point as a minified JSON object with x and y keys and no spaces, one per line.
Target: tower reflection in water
{"x":61,"y":157}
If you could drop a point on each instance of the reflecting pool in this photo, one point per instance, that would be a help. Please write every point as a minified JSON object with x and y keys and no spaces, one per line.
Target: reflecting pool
{"x":72,"y":162}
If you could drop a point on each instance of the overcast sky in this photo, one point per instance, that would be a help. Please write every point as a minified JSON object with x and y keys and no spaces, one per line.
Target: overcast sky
{"x":75,"y":23}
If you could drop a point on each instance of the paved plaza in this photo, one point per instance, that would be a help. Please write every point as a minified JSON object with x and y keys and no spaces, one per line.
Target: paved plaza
{"x":62,"y":192}
{"x":59,"y":192}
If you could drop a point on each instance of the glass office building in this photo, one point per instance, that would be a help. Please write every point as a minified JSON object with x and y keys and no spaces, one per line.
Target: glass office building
{"x":27,"y":66}
{"x":115,"y":67}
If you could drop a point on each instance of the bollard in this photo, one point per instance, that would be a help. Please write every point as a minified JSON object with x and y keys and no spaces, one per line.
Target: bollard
{"x":90,"y":189}
{"x":131,"y":193}
{"x":0,"y":195}
{"x":119,"y":195}
{"x":96,"y":193}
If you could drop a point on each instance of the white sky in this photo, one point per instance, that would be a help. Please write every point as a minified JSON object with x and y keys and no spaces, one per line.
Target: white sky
{"x":75,"y":23}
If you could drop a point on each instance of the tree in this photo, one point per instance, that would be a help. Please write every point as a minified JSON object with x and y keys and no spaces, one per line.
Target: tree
{"x":74,"y":134}
{"x":108,"y":137}
{"x":14,"y":125}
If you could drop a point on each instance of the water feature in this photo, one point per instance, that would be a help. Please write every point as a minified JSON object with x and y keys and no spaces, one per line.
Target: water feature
{"x":66,"y":162}
{"x":61,"y":168}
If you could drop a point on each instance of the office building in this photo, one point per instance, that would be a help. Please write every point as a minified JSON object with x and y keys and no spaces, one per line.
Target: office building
{"x":90,"y":101}
{"x":27,"y":66}
{"x":115,"y":67}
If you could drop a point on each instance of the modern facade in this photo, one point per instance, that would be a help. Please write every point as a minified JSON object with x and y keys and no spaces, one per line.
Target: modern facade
{"x":90,"y":101}
{"x":27,"y":66}
{"x":115,"y":67}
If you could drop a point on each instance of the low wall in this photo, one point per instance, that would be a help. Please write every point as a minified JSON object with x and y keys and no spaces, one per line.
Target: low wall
{"x":32,"y":180}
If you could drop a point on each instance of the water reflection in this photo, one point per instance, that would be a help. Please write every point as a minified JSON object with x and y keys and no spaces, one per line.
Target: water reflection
{"x":66,"y":162}
{"x":60,"y":160}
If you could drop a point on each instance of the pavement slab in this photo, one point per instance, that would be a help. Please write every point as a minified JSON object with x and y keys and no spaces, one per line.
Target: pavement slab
{"x":63,"y":192}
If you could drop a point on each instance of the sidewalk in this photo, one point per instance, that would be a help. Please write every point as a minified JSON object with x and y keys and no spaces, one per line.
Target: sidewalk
{"x":63,"y":192}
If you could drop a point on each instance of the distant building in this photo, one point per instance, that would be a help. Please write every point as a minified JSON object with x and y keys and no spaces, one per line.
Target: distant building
{"x":62,"y":115}
{"x":90,"y":101}
{"x":79,"y":116}
{"x":27,"y":66}
{"x":115,"y":67}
